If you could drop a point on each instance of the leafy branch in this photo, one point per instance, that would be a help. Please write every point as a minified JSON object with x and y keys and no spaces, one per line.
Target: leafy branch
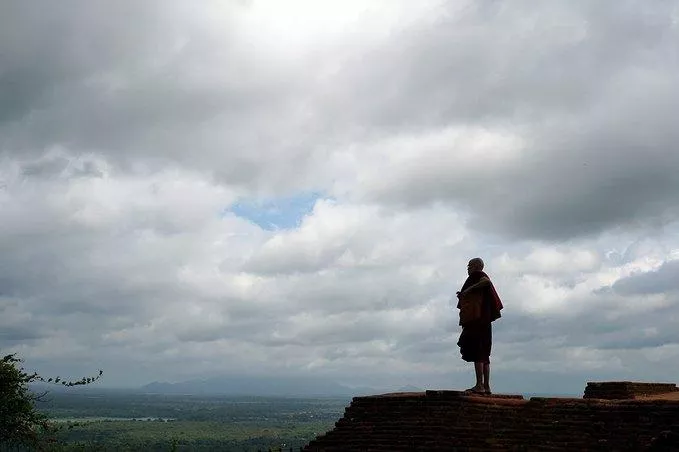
{"x":20,"y":422}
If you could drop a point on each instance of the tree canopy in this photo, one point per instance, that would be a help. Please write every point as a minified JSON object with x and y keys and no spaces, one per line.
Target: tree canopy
{"x":21,"y":424}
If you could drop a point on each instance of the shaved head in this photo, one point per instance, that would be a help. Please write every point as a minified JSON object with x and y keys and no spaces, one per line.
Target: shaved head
{"x":476,"y":264}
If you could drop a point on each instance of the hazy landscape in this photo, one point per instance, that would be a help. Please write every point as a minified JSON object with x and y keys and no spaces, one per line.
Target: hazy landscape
{"x":119,"y":420}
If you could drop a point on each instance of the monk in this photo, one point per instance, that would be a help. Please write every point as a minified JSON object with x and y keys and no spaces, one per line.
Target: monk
{"x":476,"y":338}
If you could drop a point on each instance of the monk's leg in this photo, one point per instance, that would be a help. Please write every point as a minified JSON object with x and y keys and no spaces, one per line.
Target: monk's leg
{"x":478,"y":368}
{"x":486,"y":376}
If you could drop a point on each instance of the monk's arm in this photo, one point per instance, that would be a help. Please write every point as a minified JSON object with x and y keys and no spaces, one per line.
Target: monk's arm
{"x":483,"y":282}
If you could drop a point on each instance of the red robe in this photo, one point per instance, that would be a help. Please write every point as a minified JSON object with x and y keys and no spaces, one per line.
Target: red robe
{"x":476,"y":339}
{"x":490,"y":294}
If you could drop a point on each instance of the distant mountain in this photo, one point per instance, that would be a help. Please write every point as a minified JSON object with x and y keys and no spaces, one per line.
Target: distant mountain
{"x":410,"y":388}
{"x":258,"y":386}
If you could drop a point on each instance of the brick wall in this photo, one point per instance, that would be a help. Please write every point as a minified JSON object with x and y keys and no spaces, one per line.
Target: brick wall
{"x":451,"y":420}
{"x":613,"y":390}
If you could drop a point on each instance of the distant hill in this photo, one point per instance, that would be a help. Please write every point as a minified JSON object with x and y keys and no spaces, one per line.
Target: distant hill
{"x":409,"y":388}
{"x":258,"y":386}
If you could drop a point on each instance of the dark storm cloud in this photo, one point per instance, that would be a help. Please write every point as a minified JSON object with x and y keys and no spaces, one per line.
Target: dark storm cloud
{"x":663,"y":280}
{"x":591,"y":89}
{"x":12,"y":333}
{"x":604,"y":321}
{"x":47,"y":46}
{"x":143,"y":82}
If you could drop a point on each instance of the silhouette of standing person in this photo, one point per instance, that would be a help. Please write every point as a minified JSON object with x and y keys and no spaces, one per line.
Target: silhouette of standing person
{"x":476,"y":339}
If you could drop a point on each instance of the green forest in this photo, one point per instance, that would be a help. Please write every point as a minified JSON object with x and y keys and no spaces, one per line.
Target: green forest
{"x":119,"y":421}
{"x":91,"y":420}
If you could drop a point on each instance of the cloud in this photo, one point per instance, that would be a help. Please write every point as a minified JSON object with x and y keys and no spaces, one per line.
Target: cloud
{"x":199,"y":190}
{"x":576,"y":149}
{"x":663,"y":280}
{"x":532,"y":122}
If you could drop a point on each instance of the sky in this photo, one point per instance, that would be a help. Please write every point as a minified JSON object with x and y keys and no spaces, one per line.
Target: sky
{"x":194,"y":189}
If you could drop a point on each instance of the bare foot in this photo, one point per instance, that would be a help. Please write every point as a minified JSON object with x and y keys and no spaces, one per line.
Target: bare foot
{"x":476,"y":390}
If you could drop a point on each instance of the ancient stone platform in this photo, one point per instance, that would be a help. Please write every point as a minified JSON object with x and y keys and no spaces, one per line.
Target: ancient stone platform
{"x":437,"y":420}
{"x":620,"y":390}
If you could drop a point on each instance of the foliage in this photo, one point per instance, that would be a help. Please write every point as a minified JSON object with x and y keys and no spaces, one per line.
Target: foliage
{"x":21,"y":424}
{"x":189,"y":423}
{"x":189,"y":435}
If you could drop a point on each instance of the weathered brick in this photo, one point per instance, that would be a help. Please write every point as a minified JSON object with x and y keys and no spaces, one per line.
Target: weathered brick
{"x":452,"y":420}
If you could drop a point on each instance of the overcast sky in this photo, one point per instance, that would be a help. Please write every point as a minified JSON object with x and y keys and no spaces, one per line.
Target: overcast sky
{"x":192,"y":189}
